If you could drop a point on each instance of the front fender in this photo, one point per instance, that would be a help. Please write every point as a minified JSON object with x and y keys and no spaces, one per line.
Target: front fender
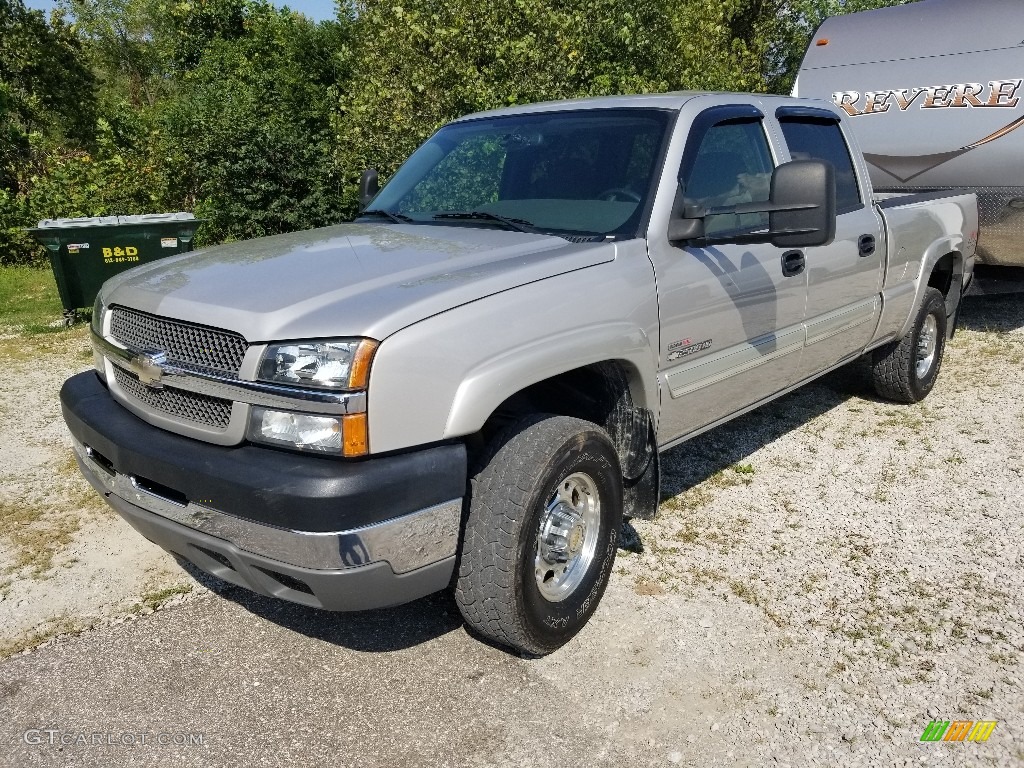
{"x":442,"y":377}
{"x":496,"y":379}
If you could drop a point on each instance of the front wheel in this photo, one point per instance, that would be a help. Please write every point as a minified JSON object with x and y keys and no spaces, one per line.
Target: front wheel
{"x":542,"y":532}
{"x":906,"y":370}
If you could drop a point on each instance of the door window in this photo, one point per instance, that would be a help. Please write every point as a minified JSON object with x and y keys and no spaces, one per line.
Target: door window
{"x":731,"y":165}
{"x":822,"y":139}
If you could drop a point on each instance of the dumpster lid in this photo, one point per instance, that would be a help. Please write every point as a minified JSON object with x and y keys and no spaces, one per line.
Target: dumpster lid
{"x":110,"y":221}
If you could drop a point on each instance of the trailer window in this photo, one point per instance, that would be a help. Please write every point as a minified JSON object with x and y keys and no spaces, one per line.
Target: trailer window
{"x":819,"y":139}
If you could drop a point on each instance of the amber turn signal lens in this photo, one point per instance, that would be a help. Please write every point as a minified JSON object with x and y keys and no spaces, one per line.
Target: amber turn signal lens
{"x":355,"y":440}
{"x":360,"y":373}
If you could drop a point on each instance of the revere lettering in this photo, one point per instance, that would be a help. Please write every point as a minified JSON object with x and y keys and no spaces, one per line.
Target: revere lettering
{"x":1000,"y":93}
{"x":847,"y":101}
{"x":903,"y":100}
{"x":938,"y":97}
{"x":877,"y":102}
{"x":967,"y":95}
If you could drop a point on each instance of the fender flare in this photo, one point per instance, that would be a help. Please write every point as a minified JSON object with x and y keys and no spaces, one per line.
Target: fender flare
{"x":937,"y":251}
{"x":494,"y":380}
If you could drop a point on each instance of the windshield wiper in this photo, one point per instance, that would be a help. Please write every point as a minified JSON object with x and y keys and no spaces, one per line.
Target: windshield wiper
{"x":519,"y":225}
{"x":398,"y":218}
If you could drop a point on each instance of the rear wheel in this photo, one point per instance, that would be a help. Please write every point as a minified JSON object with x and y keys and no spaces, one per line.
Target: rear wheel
{"x":906,"y":370}
{"x":542,"y":531}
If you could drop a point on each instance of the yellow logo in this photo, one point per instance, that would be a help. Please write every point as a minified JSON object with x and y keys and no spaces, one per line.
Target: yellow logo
{"x":118,"y":255}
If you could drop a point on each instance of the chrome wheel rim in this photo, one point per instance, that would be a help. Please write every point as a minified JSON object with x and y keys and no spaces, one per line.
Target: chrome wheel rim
{"x":567,"y":537}
{"x":927,"y":344}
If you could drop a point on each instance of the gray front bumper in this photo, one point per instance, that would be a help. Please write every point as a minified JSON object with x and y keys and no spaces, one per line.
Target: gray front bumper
{"x":380,"y":565}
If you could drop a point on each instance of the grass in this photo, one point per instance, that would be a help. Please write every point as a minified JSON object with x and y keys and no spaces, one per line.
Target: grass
{"x":35,"y":535}
{"x":36,"y":530}
{"x":28,"y":300}
{"x":31,"y":317}
{"x":982,"y":355}
{"x":702,"y":576}
{"x":748,"y":594}
{"x":154,"y":599}
{"x":60,"y":627}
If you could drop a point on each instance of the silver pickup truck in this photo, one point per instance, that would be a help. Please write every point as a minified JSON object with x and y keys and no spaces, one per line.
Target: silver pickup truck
{"x":469,"y":386}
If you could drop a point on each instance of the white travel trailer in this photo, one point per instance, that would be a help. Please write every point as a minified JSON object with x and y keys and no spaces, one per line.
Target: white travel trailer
{"x":935,"y":98}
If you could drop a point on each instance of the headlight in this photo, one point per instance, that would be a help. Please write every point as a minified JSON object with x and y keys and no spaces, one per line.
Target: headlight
{"x":343,"y":364}
{"x":339,"y":364}
{"x":338,"y":435}
{"x":98,"y":317}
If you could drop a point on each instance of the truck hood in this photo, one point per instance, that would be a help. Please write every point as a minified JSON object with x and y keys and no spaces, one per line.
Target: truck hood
{"x":346,"y":280}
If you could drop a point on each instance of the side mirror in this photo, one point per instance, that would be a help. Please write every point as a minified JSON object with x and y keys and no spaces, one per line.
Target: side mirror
{"x":369,"y":186}
{"x":685,"y":223}
{"x":801,"y":211}
{"x":794,"y":224}
{"x":681,"y":230}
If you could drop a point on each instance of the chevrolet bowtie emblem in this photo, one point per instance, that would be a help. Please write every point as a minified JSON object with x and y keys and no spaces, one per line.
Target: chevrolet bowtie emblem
{"x":148,"y":366}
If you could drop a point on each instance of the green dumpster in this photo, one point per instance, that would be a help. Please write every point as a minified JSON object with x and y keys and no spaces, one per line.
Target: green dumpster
{"x":85,"y":252}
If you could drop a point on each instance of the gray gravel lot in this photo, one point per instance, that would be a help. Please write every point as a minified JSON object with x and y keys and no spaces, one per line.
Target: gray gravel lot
{"x":827,"y":575}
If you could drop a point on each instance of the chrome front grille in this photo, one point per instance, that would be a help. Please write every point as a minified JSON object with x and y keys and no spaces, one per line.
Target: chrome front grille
{"x":176,"y":403}
{"x":184,"y":343}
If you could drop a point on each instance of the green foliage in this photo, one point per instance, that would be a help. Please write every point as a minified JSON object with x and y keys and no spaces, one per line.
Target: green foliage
{"x":247,"y":139}
{"x":261,"y":121}
{"x":15,"y":246}
{"x":126,"y":44}
{"x":28,"y":298}
{"x":421,"y":63}
{"x":45,"y":88}
{"x":46,"y":100}
{"x":199,"y":23}
{"x":112,"y":180}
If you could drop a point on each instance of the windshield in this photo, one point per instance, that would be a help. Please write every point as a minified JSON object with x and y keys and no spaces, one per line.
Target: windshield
{"x":571,"y":173}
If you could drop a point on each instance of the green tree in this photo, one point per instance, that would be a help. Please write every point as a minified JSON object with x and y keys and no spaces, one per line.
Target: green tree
{"x":45,"y":87}
{"x":140,"y":46}
{"x":124,"y":40}
{"x":247,"y":140}
{"x":46,"y":101}
{"x":419,"y":63}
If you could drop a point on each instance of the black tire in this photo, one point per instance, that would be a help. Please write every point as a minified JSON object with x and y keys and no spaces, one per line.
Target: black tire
{"x":500,"y":579}
{"x":895,"y":366}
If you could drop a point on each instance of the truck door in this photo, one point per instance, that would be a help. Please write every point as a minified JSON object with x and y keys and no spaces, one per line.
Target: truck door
{"x":731,"y":314}
{"x":844,"y":278}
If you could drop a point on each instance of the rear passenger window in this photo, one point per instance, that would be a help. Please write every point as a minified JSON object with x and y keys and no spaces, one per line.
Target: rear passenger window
{"x":820,"y":139}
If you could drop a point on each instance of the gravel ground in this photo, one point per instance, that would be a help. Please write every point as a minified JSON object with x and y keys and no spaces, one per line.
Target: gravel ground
{"x":66,"y":559}
{"x":827,"y":575}
{"x":883,"y":543}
